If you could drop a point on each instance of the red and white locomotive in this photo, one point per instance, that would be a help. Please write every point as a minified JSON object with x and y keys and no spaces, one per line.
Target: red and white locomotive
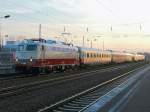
{"x":38,"y":55}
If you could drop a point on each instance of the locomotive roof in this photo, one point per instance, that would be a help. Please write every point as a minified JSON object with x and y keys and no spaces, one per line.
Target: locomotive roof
{"x":51,"y":43}
{"x":45,"y":41}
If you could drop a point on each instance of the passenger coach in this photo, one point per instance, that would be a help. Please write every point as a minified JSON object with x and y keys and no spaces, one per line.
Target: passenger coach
{"x":91,"y":56}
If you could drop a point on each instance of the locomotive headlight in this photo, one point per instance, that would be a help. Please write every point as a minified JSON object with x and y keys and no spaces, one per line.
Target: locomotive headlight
{"x":31,"y":59}
{"x":16,"y":59}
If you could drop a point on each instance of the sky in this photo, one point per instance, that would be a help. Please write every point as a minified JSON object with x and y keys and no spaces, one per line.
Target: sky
{"x":128,"y":19}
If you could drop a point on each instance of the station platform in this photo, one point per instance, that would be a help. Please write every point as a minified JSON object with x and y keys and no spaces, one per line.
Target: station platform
{"x":139,"y":99}
{"x":131,"y":96}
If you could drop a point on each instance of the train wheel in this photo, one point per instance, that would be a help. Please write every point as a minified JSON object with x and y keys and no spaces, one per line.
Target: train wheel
{"x":48,"y":70}
{"x":35,"y":71}
{"x":62,"y":68}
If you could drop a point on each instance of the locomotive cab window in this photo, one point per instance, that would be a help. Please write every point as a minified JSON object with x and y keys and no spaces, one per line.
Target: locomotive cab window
{"x":31,"y":47}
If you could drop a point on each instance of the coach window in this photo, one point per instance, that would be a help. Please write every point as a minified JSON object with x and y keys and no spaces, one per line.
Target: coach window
{"x":87,"y":55}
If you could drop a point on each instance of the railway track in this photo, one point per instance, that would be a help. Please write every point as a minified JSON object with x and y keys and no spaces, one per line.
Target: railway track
{"x":18,"y":75}
{"x":4,"y":77}
{"x":14,"y":76}
{"x":80,"y":101}
{"x":13,"y":90}
{"x":10,"y":77}
{"x":20,"y":79}
{"x":23,"y":76}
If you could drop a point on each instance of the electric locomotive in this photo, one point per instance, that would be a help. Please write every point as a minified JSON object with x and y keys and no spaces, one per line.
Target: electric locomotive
{"x":39,"y":55}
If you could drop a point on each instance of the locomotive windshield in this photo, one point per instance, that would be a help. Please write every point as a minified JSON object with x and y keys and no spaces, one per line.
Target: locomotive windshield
{"x":31,"y":47}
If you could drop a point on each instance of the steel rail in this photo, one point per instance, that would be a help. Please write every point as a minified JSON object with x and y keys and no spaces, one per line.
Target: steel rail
{"x":74,"y":103}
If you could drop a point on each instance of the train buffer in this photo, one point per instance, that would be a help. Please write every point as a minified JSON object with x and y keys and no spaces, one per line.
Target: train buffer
{"x":132,"y":95}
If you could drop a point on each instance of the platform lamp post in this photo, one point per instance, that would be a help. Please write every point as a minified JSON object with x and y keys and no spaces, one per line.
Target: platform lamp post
{"x":1,"y":40}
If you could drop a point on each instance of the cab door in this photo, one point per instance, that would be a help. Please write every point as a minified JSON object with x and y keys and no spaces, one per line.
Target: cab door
{"x":43,"y":54}
{"x":43,"y":51}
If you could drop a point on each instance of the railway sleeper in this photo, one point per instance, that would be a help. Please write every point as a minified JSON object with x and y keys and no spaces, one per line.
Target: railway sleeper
{"x":88,"y":98}
{"x":85,"y":100}
{"x":81,"y":103}
{"x":68,"y":110}
{"x":73,"y":107}
{"x":75,"y":104}
{"x":56,"y":111}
